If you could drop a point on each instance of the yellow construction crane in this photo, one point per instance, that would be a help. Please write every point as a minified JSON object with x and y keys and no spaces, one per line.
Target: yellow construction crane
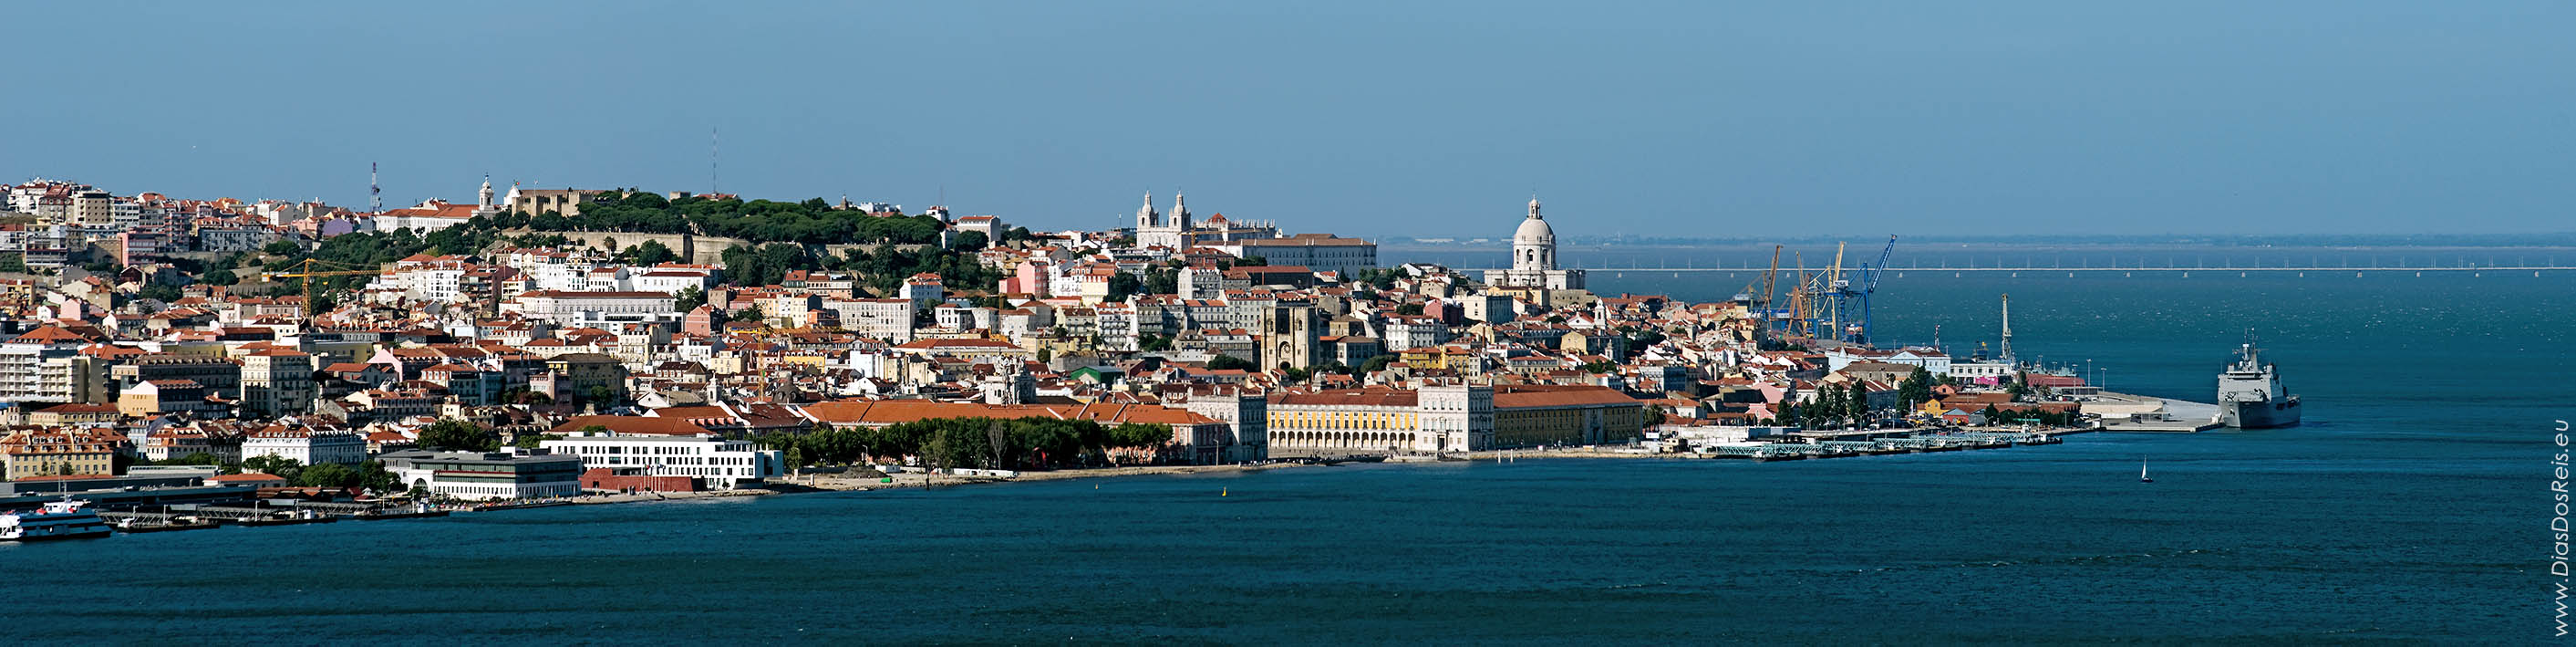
{"x":1834,"y":282}
{"x":1798,"y":306}
{"x":312,"y":305}
{"x":1770,"y":281}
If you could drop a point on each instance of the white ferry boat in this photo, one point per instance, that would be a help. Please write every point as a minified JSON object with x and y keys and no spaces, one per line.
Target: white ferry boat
{"x":65,"y":519}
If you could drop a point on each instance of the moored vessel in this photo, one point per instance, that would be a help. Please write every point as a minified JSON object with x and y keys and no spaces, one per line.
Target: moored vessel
{"x":2250,"y":395}
{"x":66,"y":519}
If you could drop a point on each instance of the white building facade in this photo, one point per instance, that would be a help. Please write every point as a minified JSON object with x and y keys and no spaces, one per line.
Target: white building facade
{"x":718,"y":462}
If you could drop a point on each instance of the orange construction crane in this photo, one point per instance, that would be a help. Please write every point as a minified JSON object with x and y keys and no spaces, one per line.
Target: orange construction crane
{"x":312,"y":306}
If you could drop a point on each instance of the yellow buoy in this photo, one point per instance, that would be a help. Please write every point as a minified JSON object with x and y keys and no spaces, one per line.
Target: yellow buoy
{"x":1222,"y":491}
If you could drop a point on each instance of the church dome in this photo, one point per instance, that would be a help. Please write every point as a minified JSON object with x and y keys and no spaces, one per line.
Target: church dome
{"x":1534,"y":231}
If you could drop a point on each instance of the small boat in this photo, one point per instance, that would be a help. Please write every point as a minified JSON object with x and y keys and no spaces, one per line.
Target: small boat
{"x":165,"y":527}
{"x":286,"y":521}
{"x":489,"y":507}
{"x":382,"y":515}
{"x":66,"y":519}
{"x":2142,"y":471}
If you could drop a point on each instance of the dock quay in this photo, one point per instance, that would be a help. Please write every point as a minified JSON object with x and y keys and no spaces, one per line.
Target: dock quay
{"x":2122,"y":412}
{"x":1879,"y":444}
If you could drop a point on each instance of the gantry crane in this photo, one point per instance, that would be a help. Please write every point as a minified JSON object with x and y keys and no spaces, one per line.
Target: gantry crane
{"x":1868,"y":286}
{"x":1843,"y":300}
{"x":1771,"y":286}
{"x":1803,"y":309}
{"x":1836,"y":285}
{"x":313,"y":305}
{"x":1757,"y":293}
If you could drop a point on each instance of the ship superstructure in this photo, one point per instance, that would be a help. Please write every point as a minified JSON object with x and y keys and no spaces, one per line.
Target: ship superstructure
{"x":2250,"y":395}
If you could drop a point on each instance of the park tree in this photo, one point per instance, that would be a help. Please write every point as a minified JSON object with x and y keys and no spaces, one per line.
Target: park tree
{"x":1378,"y":363}
{"x":1124,"y":284}
{"x":328,"y":475}
{"x":1916,"y":389}
{"x":1856,"y":402}
{"x":649,"y":253}
{"x":459,"y":435}
{"x":286,"y":468}
{"x":373,"y":476}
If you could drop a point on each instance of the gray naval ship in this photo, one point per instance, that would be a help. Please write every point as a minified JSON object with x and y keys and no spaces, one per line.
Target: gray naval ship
{"x":2250,"y":394}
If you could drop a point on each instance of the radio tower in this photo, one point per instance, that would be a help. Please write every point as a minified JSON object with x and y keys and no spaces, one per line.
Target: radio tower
{"x":375,"y":193}
{"x":711,"y":161}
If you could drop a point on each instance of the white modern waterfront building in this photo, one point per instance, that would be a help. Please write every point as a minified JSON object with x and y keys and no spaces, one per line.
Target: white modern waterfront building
{"x":715,"y":461}
{"x":517,"y":474}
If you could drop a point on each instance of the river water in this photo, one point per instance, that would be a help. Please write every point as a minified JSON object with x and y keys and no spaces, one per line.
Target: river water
{"x":2410,"y":507}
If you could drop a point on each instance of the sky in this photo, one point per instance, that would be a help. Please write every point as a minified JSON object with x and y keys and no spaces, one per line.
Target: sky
{"x":1698,"y":119}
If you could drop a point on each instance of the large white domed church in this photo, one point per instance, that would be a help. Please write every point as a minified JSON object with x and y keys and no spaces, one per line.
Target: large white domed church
{"x":1534,"y":258}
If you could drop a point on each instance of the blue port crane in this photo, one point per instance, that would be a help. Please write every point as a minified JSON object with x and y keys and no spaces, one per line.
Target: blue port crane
{"x":1851,"y":298}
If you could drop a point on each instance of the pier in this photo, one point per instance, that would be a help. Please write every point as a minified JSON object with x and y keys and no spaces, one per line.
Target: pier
{"x":2122,"y":412}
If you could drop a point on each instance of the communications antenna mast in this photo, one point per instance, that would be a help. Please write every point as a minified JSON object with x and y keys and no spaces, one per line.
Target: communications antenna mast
{"x":375,"y":192}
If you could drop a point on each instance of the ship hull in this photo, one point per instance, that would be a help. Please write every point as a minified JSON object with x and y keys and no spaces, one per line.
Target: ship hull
{"x":2258,"y":414}
{"x":94,"y":533}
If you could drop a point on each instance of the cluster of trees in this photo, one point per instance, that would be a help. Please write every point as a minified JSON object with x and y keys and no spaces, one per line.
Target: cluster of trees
{"x":2020,"y":386}
{"x":1382,"y":278}
{"x":1123,"y":285}
{"x":766,"y":264}
{"x":783,"y":228}
{"x":366,"y":250}
{"x":1834,"y":407}
{"x":886,"y":269}
{"x":1378,"y":363}
{"x":1641,"y":339}
{"x":459,"y":436}
{"x":371,"y":475}
{"x":1231,"y":363}
{"x":812,"y":221}
{"x":647,"y":253}
{"x":883,"y":271}
{"x":986,"y":443}
{"x":1916,"y":389}
{"x":2041,"y":417}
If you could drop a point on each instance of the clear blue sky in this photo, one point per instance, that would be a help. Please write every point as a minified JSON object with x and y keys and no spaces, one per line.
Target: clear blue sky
{"x":1371,"y":118}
